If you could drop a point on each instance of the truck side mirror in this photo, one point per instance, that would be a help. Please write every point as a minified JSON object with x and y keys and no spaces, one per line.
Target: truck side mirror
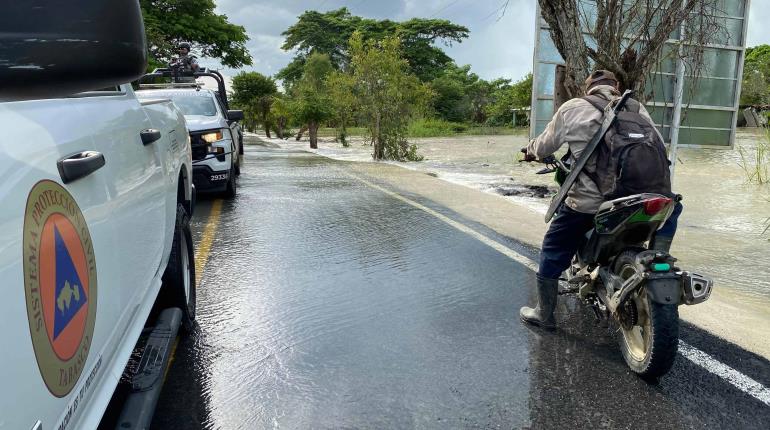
{"x":235,"y":115}
{"x":58,"y":48}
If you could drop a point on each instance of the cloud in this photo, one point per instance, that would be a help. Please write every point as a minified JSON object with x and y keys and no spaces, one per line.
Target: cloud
{"x":759,"y":32}
{"x":500,"y":44}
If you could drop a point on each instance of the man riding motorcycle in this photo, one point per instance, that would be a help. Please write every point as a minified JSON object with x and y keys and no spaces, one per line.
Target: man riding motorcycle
{"x":574,"y":124}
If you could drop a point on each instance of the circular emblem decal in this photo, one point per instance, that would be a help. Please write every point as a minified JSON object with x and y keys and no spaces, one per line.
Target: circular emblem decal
{"x":60,"y":285}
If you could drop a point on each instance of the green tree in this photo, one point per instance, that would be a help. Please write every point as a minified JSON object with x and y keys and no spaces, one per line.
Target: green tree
{"x":506,"y":97}
{"x":254,"y":92}
{"x":312,"y":104}
{"x":329,"y":33}
{"x":755,"y":90}
{"x":758,"y":58}
{"x":756,"y":76}
{"x":168,"y":22}
{"x":280,"y":115}
{"x":388,"y":95}
{"x":462,"y":96}
{"x":341,"y":89}
{"x":450,"y":102}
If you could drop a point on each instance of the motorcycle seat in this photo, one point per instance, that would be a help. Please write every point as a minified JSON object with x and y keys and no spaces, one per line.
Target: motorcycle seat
{"x":604,"y":207}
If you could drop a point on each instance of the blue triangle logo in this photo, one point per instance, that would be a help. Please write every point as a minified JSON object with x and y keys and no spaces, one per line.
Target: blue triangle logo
{"x":70,"y":296}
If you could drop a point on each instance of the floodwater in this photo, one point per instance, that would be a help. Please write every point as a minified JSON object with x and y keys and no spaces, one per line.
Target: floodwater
{"x":327,"y":303}
{"x":722,"y":230}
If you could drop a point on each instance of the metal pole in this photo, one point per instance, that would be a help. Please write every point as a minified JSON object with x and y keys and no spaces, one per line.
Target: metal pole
{"x":678,"y":96}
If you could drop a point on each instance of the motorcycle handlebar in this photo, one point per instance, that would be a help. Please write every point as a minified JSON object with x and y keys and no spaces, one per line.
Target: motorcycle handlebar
{"x":527,"y":159}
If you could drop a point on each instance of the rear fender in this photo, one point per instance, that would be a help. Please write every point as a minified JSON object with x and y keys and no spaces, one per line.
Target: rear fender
{"x":665,"y":288}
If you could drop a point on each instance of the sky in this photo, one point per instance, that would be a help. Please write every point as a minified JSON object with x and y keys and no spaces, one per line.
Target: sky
{"x":500,"y":44}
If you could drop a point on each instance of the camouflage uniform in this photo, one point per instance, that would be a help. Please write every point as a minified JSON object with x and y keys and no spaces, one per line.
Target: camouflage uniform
{"x":185,"y":64}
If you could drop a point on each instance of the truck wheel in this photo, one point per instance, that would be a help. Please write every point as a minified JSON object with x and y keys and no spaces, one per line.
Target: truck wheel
{"x":178,"y":288}
{"x":649,"y":331}
{"x":231,"y":189}
{"x":240,"y":159}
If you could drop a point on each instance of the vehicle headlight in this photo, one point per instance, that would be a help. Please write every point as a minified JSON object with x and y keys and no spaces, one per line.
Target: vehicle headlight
{"x":212,"y":137}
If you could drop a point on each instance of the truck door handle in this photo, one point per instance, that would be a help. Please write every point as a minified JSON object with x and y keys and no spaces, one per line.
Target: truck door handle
{"x":149,"y":136}
{"x":79,"y":165}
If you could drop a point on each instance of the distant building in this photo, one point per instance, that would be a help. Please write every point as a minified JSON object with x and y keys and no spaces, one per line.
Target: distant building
{"x":709,"y":113}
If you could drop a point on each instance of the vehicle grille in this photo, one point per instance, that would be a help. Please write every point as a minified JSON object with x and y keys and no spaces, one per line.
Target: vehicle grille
{"x":197,"y":146}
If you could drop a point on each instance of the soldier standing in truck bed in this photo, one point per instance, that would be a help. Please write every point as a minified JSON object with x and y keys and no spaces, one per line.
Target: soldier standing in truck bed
{"x":186,"y":64}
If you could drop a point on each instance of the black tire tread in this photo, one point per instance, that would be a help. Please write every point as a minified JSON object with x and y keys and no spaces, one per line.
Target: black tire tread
{"x":172,"y":291}
{"x":665,"y":332}
{"x":231,"y":189}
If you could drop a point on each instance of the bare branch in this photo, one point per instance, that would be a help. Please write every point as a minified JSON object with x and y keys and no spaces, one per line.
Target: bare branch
{"x":628,"y":37}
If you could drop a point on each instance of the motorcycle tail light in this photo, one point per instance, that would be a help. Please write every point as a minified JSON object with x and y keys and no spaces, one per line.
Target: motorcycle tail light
{"x":654,"y":206}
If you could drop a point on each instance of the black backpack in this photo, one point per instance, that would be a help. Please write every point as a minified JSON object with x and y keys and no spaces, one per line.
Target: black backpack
{"x":632,"y":157}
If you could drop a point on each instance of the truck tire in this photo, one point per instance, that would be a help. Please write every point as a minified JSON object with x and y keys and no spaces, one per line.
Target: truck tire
{"x":178,"y":288}
{"x":240,"y":157}
{"x":231,"y":189}
{"x":649,"y":344}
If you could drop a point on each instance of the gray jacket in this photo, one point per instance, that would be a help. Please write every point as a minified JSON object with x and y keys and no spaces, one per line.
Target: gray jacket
{"x":575,"y":123}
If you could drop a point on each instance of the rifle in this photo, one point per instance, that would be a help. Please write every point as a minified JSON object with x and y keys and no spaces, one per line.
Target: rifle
{"x":589,"y":150}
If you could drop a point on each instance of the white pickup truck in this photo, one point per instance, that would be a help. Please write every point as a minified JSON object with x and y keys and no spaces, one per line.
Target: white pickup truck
{"x":215,"y":136}
{"x":96,"y":195}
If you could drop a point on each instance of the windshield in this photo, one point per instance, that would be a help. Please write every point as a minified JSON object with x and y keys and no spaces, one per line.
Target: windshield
{"x":190,"y":103}
{"x":195,"y":104}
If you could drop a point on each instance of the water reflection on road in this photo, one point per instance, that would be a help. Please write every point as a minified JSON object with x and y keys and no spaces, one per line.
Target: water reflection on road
{"x":722,"y":226}
{"x":328,"y":304}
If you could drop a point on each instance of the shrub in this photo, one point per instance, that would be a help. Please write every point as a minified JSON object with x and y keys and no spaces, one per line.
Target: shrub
{"x":432,"y":127}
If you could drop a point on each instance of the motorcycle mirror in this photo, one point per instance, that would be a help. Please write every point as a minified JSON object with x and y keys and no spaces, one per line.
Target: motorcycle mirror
{"x":545,"y":171}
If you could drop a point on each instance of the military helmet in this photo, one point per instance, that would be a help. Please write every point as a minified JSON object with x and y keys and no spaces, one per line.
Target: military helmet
{"x":183,"y":45}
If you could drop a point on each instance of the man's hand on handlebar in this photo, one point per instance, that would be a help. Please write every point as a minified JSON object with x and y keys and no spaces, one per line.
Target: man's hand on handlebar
{"x":527,"y":156}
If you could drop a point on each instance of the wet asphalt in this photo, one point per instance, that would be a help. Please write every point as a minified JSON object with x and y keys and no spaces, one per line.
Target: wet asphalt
{"x":326,"y":303}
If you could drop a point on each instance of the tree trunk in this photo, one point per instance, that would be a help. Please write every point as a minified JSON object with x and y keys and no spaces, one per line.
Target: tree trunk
{"x":628,"y":36}
{"x":563,"y":19}
{"x":313,"y":133}
{"x":280,"y":124}
{"x":342,"y":134}
{"x":379,"y":145}
{"x":302,"y":131}
{"x":267,"y":130}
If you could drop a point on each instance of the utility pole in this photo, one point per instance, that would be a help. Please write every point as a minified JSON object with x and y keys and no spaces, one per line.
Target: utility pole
{"x":676,"y":120}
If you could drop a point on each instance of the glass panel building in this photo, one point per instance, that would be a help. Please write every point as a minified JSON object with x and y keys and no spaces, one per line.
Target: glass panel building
{"x":710,"y":106}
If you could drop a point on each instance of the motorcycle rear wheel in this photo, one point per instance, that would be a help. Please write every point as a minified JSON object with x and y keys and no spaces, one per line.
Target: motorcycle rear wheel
{"x":649,"y":347}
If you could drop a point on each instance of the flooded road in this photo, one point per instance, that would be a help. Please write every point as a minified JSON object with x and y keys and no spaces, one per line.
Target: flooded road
{"x":328,"y":303}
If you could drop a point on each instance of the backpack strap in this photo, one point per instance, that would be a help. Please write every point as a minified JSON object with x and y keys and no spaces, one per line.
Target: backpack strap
{"x":633,"y":106}
{"x":599,"y":103}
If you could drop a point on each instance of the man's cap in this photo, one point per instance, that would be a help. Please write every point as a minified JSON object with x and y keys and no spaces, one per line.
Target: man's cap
{"x":601,"y":77}
{"x":183,"y":45}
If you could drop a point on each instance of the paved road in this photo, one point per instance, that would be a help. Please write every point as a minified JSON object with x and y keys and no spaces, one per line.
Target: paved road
{"x":327,"y":303}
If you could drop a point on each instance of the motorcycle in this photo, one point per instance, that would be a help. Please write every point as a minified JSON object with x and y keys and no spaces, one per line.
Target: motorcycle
{"x":620,"y":278}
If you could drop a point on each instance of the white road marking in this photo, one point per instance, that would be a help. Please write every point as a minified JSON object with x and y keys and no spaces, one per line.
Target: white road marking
{"x":734,"y":377}
{"x":727,"y":373}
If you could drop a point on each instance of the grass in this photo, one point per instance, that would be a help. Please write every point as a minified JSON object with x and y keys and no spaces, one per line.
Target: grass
{"x":756,"y":163}
{"x":439,"y":128}
{"x":423,"y":128}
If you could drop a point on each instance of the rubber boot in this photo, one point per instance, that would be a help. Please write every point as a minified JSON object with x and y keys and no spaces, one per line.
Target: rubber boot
{"x":542,"y":314}
{"x":661,"y":243}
